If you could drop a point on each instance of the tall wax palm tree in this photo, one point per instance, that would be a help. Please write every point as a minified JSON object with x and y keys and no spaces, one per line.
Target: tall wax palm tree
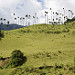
{"x":26,"y":19}
{"x":64,"y":14}
{"x":60,"y":17}
{"x":15,"y":19}
{"x":4,"y":20}
{"x":14,"y":14}
{"x":72,"y":14}
{"x":46,"y":16}
{"x":29,"y":19}
{"x":18,"y":19}
{"x":33,"y":20}
{"x":60,"y":20}
{"x":8,"y":23}
{"x":1,"y":20}
{"x":69,"y":14}
{"x":57,"y":16}
{"x":23,"y":20}
{"x":64,"y":18}
{"x":51,"y":14}
{"x":35,"y":17}
{"x":49,"y":21}
{"x":53,"y":18}
{"x":67,"y":17}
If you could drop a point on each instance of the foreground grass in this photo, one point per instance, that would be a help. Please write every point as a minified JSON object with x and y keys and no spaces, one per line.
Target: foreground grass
{"x":43,"y":46}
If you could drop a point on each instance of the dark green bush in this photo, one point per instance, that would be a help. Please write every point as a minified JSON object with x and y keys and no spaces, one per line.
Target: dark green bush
{"x":1,"y":67}
{"x":1,"y":34}
{"x":59,"y":52}
{"x":17,"y":59}
{"x":1,"y":57}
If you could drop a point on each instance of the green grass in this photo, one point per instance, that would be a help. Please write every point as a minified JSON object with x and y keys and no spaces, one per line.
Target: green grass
{"x":42,"y":44}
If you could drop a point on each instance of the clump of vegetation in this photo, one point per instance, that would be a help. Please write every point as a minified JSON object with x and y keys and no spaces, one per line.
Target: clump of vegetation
{"x":25,"y":31}
{"x":48,"y":55}
{"x":1,"y":34}
{"x":70,"y":20}
{"x":1,"y":67}
{"x":35,"y":56}
{"x":53,"y":32}
{"x":57,"y":69}
{"x":66,"y":30}
{"x":58,"y":66}
{"x":1,"y":57}
{"x":59,"y":52}
{"x":17,"y":59}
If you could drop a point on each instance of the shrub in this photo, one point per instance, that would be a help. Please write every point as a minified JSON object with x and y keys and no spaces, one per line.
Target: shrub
{"x":57,"y":32}
{"x":59,"y":52}
{"x":23,"y":31}
{"x":66,"y":30}
{"x":1,"y":67}
{"x":48,"y":54}
{"x":53,"y":31}
{"x":1,"y":57}
{"x":1,"y":35}
{"x":17,"y":59}
{"x":35,"y":56}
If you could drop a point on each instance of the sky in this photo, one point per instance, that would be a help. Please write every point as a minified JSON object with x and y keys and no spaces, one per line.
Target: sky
{"x":23,"y":7}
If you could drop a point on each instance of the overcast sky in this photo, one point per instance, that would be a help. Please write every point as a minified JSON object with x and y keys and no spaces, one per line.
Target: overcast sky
{"x":23,"y":7}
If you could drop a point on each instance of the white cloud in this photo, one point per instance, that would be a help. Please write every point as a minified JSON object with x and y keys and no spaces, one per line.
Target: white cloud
{"x":59,"y":4}
{"x":20,"y":7}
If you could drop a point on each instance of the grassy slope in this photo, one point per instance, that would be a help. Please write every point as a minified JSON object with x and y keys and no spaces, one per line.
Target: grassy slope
{"x":33,"y":40}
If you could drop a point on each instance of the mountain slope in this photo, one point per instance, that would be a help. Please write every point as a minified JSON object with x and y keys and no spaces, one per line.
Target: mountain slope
{"x":44,"y":48}
{"x":10,"y":26}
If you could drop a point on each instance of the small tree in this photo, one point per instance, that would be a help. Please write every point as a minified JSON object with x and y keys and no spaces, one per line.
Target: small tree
{"x":17,"y":59}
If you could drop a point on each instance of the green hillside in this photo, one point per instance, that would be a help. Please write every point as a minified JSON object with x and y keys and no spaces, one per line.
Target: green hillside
{"x":45,"y":46}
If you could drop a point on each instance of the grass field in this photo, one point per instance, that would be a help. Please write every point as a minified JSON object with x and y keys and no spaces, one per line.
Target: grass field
{"x":44,"y":45}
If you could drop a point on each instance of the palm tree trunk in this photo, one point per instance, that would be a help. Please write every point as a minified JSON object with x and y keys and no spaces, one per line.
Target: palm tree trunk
{"x":51,"y":17}
{"x":47,"y":18}
{"x":35,"y":17}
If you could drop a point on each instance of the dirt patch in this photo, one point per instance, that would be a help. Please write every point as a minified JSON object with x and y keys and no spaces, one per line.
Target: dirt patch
{"x":4,"y":61}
